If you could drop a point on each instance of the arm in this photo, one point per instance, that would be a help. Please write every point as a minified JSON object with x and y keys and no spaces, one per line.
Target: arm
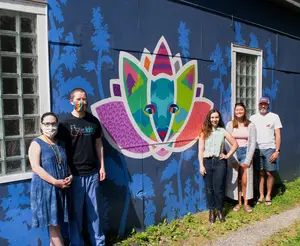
{"x":99,"y":149}
{"x":251,"y":144}
{"x":278,"y":143}
{"x":201,"y":144}
{"x":34,"y":154}
{"x":233,"y":143}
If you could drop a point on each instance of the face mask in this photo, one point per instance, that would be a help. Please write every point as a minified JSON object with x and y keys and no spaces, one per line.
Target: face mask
{"x":49,"y":131}
{"x":79,"y":106}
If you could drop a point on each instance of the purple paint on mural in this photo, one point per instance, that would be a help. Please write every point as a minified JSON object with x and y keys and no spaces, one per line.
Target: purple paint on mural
{"x":117,"y":90}
{"x":120,"y":128}
{"x":198,"y":92}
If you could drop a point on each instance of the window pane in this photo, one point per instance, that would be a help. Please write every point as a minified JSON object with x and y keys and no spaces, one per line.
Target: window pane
{"x":31,"y":126}
{"x":28,"y":166}
{"x":10,"y":106}
{"x":29,"y":86}
{"x":12,"y":148}
{"x":27,"y":144}
{"x":8,"y":23}
{"x":8,"y":43}
{"x":13,"y":166}
{"x":30,"y":106}
{"x":27,"y":25}
{"x":1,"y":146}
{"x":9,"y":64}
{"x":10,"y":85}
{"x":28,"y":45}
{"x":28,"y":65}
{"x":11,"y":127}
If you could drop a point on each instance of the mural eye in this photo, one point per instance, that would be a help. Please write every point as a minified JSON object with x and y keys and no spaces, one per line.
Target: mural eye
{"x":149,"y":109}
{"x":173,"y":108}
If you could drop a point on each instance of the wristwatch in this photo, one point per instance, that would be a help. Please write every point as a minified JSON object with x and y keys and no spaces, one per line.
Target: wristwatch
{"x":277,"y":150}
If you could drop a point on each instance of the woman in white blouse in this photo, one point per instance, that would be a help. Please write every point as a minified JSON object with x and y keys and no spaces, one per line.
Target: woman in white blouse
{"x":213,"y":162}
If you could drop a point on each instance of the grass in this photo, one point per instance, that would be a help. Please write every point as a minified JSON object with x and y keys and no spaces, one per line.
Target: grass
{"x":195,"y":229}
{"x":289,"y":237}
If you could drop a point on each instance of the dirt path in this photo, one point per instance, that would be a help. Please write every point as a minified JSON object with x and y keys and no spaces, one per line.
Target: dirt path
{"x":253,"y":234}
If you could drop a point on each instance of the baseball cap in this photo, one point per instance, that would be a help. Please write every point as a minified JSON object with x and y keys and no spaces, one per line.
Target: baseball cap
{"x":264,"y":100}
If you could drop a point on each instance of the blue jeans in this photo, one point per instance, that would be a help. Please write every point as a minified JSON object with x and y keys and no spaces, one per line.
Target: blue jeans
{"x":85,"y":195}
{"x":214,"y":181}
{"x":262,"y":160}
{"x":241,"y":154}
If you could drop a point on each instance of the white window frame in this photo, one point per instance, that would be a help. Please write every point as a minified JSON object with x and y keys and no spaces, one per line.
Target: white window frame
{"x":38,"y":8}
{"x":249,"y":51}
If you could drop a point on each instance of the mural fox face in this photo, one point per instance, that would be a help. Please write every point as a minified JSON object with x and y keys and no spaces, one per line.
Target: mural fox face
{"x":160,"y":99}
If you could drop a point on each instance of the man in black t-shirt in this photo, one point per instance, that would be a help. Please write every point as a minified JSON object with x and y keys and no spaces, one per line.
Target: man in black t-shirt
{"x":81,"y":132}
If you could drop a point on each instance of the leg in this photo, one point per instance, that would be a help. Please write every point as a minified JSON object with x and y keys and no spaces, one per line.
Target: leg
{"x":240,"y":185}
{"x":270,"y":168}
{"x":219,"y":179}
{"x":208,"y":181}
{"x":92,"y":210}
{"x":244,"y":183}
{"x":270,"y":183}
{"x":261,"y":185}
{"x":219,"y":176}
{"x":209,"y":191}
{"x":77,"y":201}
{"x":55,"y":236}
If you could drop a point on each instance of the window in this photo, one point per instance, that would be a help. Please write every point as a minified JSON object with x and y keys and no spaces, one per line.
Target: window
{"x":23,"y":74}
{"x":246,"y":77}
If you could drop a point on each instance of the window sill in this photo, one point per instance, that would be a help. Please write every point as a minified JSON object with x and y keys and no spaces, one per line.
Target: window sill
{"x":15,"y":177}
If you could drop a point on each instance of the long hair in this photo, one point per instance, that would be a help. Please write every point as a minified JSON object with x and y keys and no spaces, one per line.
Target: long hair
{"x":207,"y":126}
{"x":245,"y":120}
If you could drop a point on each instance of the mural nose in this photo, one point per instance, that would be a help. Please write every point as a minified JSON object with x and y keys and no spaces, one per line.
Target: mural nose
{"x":162,"y":133}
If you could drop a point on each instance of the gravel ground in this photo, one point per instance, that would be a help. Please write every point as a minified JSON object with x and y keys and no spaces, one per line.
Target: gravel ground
{"x":253,"y":234}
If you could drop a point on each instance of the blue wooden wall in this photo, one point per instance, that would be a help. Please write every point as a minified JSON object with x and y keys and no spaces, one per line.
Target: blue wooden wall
{"x":85,"y":41}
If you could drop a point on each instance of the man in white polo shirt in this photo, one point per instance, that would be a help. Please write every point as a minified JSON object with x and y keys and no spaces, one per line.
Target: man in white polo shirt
{"x":268,"y":127}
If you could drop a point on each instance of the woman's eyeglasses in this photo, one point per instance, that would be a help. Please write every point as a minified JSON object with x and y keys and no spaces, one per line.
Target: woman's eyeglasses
{"x":47,"y":124}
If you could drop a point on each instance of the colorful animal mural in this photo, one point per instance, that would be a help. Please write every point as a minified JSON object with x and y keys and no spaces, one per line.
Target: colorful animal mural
{"x":156,"y":106}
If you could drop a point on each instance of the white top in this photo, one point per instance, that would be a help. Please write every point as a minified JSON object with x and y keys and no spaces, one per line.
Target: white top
{"x":214,"y":144}
{"x":265,"y":127}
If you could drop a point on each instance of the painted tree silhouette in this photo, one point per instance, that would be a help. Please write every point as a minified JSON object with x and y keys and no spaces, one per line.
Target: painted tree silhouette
{"x":186,"y":201}
{"x":17,"y":214}
{"x":64,"y":58}
{"x":120,"y":176}
{"x":101,"y":45}
{"x":183,"y":40}
{"x":220,"y":67}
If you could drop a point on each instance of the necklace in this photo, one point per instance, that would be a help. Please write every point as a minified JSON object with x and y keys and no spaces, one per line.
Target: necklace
{"x":56,"y":153}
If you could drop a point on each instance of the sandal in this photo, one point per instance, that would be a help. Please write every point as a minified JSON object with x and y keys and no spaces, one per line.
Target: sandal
{"x":248,"y":208}
{"x":259,"y":202}
{"x":268,"y":202}
{"x":237,"y":208}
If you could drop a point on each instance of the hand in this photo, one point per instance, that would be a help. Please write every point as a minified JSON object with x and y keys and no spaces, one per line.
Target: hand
{"x":223,"y":157}
{"x":61,"y":184}
{"x":202,"y":170}
{"x":244,"y":165}
{"x":235,"y":165}
{"x":68,"y":180}
{"x":102,"y":174}
{"x":274,"y":157}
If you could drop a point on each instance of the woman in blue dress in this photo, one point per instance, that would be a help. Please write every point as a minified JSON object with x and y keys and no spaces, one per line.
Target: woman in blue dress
{"x":49,"y":204}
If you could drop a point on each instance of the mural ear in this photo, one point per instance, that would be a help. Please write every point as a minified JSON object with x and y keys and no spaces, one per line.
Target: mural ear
{"x":185,"y":83}
{"x":133,"y":76}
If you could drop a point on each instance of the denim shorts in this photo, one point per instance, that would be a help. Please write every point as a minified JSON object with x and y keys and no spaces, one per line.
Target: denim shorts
{"x":261,"y":160}
{"x":241,"y":153}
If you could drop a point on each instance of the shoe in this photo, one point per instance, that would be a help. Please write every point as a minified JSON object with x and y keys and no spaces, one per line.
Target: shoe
{"x":268,"y":202}
{"x":212,"y":216}
{"x":221,"y":215}
{"x":248,"y":209}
